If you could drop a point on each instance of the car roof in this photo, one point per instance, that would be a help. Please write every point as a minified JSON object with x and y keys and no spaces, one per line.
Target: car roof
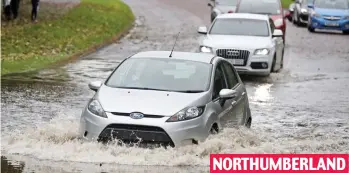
{"x":191,"y":56}
{"x":243,"y":16}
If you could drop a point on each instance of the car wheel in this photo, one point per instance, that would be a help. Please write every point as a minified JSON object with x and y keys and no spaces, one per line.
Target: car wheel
{"x":310,"y":29}
{"x":214,"y":129}
{"x":249,"y":123}
{"x":282,"y":59}
{"x":272,"y":69}
{"x":290,"y":17}
{"x":346,"y":32}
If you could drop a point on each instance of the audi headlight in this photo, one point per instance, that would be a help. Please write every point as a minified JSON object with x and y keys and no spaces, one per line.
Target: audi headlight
{"x":278,"y":22}
{"x":187,"y":114}
{"x":303,"y":10}
{"x":205,"y":49}
{"x":261,"y":52}
{"x":95,"y":107}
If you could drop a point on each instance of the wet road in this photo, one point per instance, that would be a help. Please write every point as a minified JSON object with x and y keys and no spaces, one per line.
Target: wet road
{"x":302,"y":109}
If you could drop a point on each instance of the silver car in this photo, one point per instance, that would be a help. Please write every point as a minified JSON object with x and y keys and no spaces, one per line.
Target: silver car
{"x":222,"y":6}
{"x":178,"y":100}
{"x":249,"y":41}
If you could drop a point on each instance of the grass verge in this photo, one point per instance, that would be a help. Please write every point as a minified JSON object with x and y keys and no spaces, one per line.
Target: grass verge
{"x":286,"y":3}
{"x":61,"y":34}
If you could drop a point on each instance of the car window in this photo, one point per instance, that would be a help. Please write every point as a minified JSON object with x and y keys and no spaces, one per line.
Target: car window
{"x":232,"y":79}
{"x":219,"y":81}
{"x":162,"y":74}
{"x":272,"y":25}
{"x":236,"y":26}
{"x":269,"y":7}
{"x":332,"y":4}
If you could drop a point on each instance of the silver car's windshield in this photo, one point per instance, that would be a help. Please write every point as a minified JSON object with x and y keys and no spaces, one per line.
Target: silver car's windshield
{"x":226,"y":2}
{"x":268,"y":7}
{"x":332,"y":4}
{"x":162,"y":74}
{"x":247,"y":27}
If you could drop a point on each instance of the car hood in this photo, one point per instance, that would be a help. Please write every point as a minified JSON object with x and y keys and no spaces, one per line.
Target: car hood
{"x":331,"y":12}
{"x":145,"y":101}
{"x":225,"y":8}
{"x":236,"y":41}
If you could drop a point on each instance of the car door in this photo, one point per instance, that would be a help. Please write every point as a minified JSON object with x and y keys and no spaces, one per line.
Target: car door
{"x":238,"y":103}
{"x":220,"y":82}
{"x":278,"y":42}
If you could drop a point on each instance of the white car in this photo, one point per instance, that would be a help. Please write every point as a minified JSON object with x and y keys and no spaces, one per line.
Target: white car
{"x":249,"y":41}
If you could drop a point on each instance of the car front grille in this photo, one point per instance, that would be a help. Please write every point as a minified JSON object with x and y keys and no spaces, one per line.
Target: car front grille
{"x":332,"y":17}
{"x":136,"y":134}
{"x":234,"y":54}
{"x":145,"y":115}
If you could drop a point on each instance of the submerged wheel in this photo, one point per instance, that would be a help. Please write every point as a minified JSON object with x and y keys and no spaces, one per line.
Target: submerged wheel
{"x":214,"y":129}
{"x":272,"y":69}
{"x":249,"y":123}
{"x":282,"y":59}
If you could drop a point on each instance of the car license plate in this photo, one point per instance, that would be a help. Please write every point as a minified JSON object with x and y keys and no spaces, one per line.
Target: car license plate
{"x":237,"y":61}
{"x":331,"y":24}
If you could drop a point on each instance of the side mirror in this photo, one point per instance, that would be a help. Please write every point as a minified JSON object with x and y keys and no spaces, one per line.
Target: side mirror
{"x":94,"y":86}
{"x":227,"y":94}
{"x":202,"y":30}
{"x":311,"y":6}
{"x":277,"y":33}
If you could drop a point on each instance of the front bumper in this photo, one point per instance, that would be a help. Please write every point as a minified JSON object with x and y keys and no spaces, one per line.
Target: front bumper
{"x":322,"y":23}
{"x":303,"y":18}
{"x":149,"y":130}
{"x":252,"y":63}
{"x":254,"y":67}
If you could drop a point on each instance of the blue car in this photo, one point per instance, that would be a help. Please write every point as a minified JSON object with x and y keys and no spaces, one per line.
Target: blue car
{"x":329,"y":14}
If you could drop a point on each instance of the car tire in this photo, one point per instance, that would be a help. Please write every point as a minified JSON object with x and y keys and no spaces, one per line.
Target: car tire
{"x":249,"y":120}
{"x":310,"y":29}
{"x":282,"y":59}
{"x":214,"y":129}
{"x":272,"y":69}
{"x":346,"y":32}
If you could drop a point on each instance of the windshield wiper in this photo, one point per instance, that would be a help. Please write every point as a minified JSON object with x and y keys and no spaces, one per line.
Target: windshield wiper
{"x":191,"y":91}
{"x":143,"y":88}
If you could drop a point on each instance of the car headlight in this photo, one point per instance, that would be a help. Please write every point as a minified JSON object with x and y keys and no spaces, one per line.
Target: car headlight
{"x":261,"y":52}
{"x":205,"y":49}
{"x":313,"y":13}
{"x":187,"y":114}
{"x":303,"y":10}
{"x":346,"y":18}
{"x":278,"y":22}
{"x":95,"y":107}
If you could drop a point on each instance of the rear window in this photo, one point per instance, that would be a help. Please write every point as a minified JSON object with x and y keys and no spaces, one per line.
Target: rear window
{"x":268,"y":7}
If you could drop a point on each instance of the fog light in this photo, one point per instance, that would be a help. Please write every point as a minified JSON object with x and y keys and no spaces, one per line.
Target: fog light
{"x":264,"y":65}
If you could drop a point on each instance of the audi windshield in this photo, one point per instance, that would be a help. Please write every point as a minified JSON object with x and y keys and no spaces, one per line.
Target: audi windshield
{"x":246,"y":27}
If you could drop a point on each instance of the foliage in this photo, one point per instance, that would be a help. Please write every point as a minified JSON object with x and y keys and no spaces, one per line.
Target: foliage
{"x":27,"y":46}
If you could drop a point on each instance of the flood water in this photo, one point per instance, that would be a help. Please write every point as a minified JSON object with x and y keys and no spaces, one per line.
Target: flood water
{"x":302,"y":109}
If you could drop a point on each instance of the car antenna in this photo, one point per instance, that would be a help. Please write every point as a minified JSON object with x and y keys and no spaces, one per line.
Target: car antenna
{"x":174,"y":45}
